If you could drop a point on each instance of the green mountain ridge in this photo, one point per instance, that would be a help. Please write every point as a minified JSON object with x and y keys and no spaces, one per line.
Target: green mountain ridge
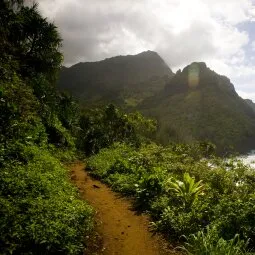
{"x":125,"y":80}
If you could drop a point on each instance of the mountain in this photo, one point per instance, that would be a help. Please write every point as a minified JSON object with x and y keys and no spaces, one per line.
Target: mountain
{"x":193,"y":104}
{"x":125,"y":80}
{"x":199,"y":104}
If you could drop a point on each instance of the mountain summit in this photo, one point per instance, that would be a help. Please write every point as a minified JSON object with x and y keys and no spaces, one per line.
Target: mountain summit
{"x":198,"y":75}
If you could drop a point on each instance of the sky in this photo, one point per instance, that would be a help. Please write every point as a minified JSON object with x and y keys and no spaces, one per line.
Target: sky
{"x":218,"y":32}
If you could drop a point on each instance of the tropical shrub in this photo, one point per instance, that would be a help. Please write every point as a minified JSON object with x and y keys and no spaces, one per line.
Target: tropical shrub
{"x":208,"y":242}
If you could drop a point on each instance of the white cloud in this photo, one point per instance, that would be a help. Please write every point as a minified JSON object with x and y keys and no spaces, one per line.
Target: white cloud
{"x":232,"y":11}
{"x":181,"y":31}
{"x":246,"y":95}
{"x":253,"y":46}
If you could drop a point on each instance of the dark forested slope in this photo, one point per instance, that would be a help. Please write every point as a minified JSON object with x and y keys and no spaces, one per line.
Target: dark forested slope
{"x":199,"y":104}
{"x":125,"y":80}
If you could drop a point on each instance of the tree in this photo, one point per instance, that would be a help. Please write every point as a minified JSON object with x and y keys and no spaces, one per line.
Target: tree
{"x":30,"y":59}
{"x":30,"y":39}
{"x":100,"y":128}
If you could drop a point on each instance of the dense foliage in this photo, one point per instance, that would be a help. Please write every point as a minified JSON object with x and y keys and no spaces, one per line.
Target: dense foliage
{"x":101,"y":127}
{"x":40,"y":211}
{"x":187,"y":191}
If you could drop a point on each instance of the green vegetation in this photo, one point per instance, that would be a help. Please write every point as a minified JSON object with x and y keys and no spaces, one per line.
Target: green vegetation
{"x":209,"y":243}
{"x":101,"y":127}
{"x":187,"y":191}
{"x":40,"y":211}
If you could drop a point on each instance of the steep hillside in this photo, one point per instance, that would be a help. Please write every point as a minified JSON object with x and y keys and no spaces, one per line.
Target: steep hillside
{"x":125,"y":80}
{"x":199,"y":104}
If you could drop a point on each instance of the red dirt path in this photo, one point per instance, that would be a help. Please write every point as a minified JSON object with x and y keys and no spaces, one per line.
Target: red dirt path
{"x":120,"y":230}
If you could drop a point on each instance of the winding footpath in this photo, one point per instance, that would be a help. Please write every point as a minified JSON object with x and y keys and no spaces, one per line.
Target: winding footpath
{"x":120,"y":231}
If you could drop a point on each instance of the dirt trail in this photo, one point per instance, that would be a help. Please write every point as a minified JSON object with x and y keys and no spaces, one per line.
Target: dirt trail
{"x":122,"y":232}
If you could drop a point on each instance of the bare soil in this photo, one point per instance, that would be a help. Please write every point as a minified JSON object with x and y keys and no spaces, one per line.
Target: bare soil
{"x":119,"y":230}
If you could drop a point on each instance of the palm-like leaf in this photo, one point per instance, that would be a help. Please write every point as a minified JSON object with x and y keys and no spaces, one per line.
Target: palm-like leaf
{"x":187,"y":189}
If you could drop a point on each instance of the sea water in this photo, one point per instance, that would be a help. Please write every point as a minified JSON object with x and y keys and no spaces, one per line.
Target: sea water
{"x":249,"y":159}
